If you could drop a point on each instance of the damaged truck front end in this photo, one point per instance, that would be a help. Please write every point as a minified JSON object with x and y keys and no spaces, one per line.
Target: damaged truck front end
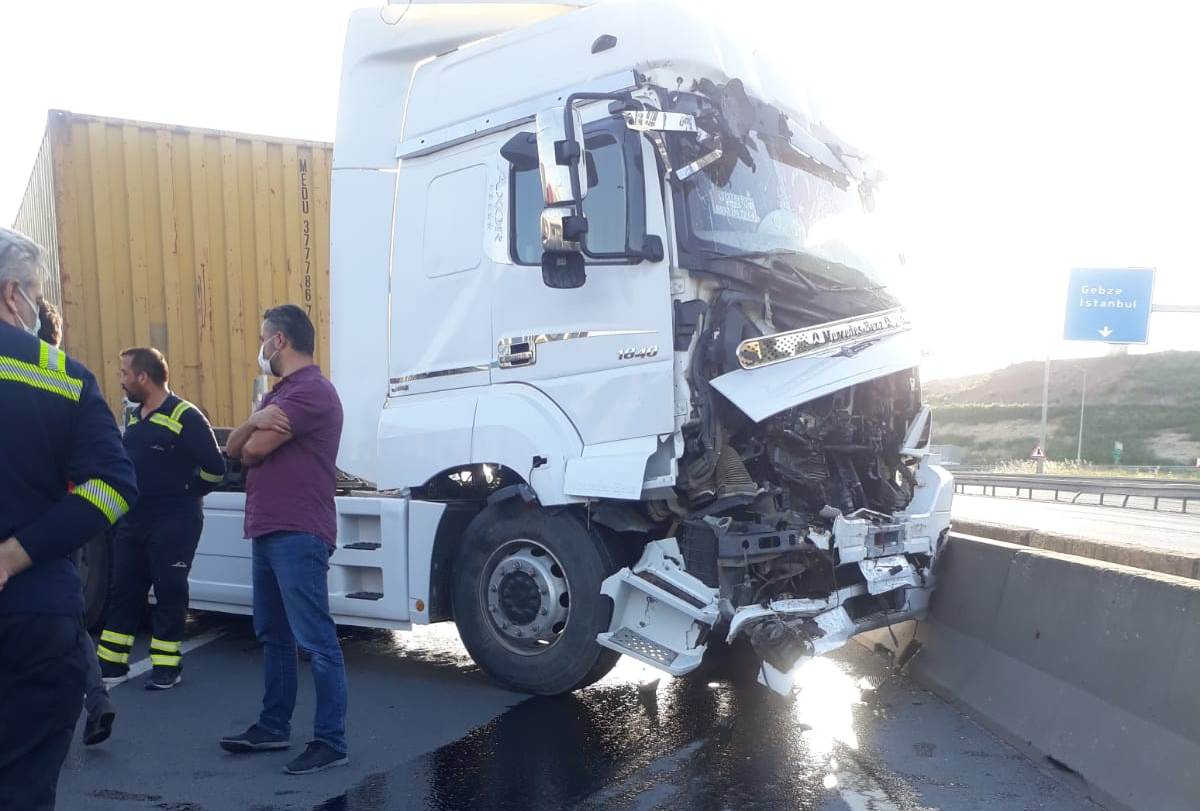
{"x":807,"y":507}
{"x":769,"y":566}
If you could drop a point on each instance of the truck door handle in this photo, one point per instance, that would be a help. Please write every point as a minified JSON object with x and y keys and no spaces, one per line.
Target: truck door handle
{"x":519,"y":353}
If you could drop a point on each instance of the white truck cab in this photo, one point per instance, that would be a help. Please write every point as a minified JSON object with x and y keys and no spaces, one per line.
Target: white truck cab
{"x":620,"y":367}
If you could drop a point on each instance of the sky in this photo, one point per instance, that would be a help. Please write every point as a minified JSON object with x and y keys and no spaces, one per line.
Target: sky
{"x":1019,"y":139}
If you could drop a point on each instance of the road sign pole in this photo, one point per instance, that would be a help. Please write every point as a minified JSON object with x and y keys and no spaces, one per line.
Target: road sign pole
{"x":1041,"y":462}
{"x":1082,"y":405}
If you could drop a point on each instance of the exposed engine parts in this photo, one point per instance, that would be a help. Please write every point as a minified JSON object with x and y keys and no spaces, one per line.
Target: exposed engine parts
{"x":764,"y":498}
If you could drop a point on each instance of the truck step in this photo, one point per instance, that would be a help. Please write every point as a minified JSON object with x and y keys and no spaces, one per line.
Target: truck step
{"x":630,"y":642}
{"x":661,"y":614}
{"x":365,"y":595}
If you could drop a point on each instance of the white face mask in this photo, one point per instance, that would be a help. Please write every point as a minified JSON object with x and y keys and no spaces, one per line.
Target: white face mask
{"x":37,"y":316}
{"x":264,"y":363}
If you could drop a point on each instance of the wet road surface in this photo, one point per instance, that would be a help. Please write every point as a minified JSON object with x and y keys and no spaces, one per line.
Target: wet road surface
{"x":427,"y":730}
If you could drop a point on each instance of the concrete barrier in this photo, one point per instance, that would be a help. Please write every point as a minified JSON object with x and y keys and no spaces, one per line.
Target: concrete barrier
{"x":1180,"y":564}
{"x":996,"y":532}
{"x":1092,"y":665}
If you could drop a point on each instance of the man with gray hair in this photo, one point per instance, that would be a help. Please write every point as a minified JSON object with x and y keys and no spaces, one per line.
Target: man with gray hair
{"x":57,"y":429}
{"x":100,"y":710}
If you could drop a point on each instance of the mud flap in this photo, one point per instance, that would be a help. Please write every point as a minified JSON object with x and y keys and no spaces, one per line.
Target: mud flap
{"x":661,"y":614}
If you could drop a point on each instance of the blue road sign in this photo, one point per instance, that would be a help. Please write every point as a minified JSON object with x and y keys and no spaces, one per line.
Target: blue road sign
{"x":1109,"y":305}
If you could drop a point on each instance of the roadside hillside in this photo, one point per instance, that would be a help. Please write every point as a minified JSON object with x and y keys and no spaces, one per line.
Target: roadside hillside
{"x":1149,"y":403}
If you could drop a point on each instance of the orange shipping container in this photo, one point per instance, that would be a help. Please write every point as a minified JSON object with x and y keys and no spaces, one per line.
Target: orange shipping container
{"x":179,"y":238}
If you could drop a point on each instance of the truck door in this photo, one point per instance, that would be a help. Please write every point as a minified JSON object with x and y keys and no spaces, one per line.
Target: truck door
{"x":440,"y":292}
{"x":603,"y":351}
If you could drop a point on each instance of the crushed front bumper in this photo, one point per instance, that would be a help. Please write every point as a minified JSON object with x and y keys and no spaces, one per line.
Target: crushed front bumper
{"x":663,"y":616}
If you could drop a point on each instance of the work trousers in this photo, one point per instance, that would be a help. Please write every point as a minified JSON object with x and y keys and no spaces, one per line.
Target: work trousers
{"x":41,"y":693}
{"x":154,"y":551}
{"x":94,"y":691}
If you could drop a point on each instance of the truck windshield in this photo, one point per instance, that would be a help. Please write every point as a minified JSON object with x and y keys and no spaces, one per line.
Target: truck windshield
{"x":777,"y":208}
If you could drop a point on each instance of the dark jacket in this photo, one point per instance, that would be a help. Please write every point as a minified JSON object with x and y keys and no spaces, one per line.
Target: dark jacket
{"x":176,"y":457}
{"x":55,"y":428}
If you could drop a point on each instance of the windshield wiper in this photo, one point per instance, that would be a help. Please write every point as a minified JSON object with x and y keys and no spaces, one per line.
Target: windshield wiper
{"x":752,"y":258}
{"x":810,"y":277}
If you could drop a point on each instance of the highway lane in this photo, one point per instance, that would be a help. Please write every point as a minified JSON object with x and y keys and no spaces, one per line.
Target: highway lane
{"x":1166,"y":530}
{"x":428,"y":731}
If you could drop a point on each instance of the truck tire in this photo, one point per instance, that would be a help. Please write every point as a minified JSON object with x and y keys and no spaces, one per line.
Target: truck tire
{"x":527,"y":598}
{"x":94,"y":560}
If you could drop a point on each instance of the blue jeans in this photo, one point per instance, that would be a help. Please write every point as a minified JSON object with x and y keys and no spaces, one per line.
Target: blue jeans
{"x":291,"y":605}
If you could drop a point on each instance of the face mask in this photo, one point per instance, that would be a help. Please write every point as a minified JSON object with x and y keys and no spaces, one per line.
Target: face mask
{"x":264,"y":363}
{"x":37,"y":317}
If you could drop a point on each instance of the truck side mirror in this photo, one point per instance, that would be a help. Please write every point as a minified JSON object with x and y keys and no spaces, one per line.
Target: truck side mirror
{"x":563,"y":271}
{"x":561,"y":156}
{"x":561,"y":163}
{"x":563,"y":232}
{"x":567,"y":171}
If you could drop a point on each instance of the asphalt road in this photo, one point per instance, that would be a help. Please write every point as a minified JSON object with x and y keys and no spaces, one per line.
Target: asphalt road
{"x":427,"y":730}
{"x":1166,"y":530}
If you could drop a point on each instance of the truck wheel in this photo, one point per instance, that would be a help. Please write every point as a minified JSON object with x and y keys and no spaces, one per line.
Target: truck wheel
{"x":94,"y":560}
{"x":527,"y":599}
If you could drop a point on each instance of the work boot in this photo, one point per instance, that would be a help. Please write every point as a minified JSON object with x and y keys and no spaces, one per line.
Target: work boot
{"x":164,"y":678}
{"x":112,"y":673}
{"x":254,"y":739}
{"x":317,"y":757}
{"x":99,"y":723}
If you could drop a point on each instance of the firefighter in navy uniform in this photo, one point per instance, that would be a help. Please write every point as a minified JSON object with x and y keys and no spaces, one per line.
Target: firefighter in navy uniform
{"x":177,"y":461}
{"x":100,"y":710}
{"x":56,"y":429}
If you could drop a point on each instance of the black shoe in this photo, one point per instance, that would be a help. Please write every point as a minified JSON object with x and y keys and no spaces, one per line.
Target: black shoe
{"x":317,"y":757}
{"x":113,"y":674}
{"x":164,"y":678}
{"x":99,"y":724}
{"x":254,"y":739}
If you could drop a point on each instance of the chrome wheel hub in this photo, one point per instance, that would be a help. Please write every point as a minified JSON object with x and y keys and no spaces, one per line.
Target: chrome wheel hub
{"x":527,"y":596}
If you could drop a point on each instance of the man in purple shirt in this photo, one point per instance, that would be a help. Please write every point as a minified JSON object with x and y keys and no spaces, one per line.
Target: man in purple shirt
{"x":289,"y":448}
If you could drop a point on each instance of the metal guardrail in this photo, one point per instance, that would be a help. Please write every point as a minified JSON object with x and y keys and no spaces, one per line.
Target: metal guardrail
{"x":1182,"y":471}
{"x":1114,"y":488}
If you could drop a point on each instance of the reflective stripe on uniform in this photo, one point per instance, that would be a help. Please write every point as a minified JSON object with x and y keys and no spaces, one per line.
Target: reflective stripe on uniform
{"x":41,"y":377}
{"x":52,"y":358}
{"x":165,"y":647}
{"x":210,"y":477}
{"x":112,"y":656}
{"x":183,"y":406}
{"x":119,"y":639}
{"x":174,"y":426}
{"x":103,"y":497}
{"x":163,"y":660}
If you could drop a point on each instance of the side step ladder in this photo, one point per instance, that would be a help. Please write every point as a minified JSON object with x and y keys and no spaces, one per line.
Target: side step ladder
{"x":661,"y":614}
